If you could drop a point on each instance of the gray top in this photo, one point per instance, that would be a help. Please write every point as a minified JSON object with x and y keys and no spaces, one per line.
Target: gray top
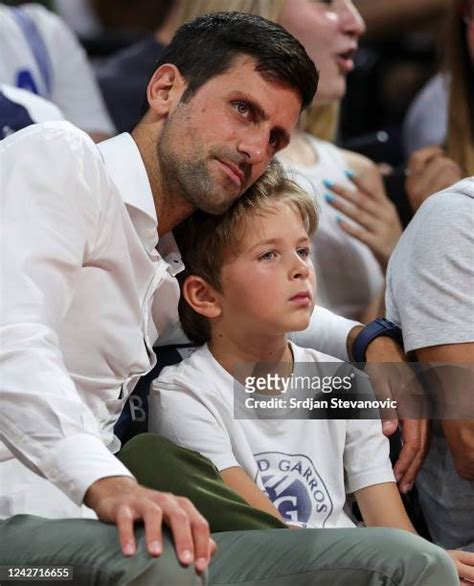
{"x":430,"y":285}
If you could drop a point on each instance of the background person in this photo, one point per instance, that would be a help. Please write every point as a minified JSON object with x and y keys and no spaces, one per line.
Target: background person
{"x":40,"y":54}
{"x":429,"y":294}
{"x":439,"y":127}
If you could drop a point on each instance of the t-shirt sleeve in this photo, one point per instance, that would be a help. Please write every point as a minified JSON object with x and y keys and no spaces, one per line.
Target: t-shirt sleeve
{"x":366,"y":455}
{"x":431,"y":277}
{"x":178,"y":415}
{"x":326,"y":332}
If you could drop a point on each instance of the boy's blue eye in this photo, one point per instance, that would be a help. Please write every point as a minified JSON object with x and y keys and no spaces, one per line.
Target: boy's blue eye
{"x":304,"y":252}
{"x":270,"y":255}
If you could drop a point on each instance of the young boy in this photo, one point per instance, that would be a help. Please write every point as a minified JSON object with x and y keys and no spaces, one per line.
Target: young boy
{"x":250,"y":281}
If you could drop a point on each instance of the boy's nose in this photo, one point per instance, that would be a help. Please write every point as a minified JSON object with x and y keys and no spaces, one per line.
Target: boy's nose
{"x":300,"y":270}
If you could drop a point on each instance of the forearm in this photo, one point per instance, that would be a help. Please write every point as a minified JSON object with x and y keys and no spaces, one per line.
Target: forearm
{"x":246,"y":488}
{"x":375,"y":309}
{"x":381,"y":506}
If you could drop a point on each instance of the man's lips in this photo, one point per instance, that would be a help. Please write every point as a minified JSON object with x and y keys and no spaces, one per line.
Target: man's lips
{"x":233,"y":171}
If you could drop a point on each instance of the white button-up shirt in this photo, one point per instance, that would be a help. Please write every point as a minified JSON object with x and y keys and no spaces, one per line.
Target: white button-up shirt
{"x":85,"y":291}
{"x":79,"y":275}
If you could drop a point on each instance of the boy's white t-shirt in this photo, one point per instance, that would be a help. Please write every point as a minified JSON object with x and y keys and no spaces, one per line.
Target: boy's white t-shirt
{"x":306,"y":467}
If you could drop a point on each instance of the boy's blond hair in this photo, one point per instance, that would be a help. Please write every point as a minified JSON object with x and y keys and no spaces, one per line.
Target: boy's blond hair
{"x":206,"y":241}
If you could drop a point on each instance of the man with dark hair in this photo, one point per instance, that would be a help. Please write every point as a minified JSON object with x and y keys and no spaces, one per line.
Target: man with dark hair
{"x":90,"y":288}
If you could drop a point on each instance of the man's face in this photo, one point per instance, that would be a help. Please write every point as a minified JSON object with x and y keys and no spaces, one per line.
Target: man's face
{"x":216,"y":145}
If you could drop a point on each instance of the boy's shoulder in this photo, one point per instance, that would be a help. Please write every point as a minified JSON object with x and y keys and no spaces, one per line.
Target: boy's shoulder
{"x":196,"y":365}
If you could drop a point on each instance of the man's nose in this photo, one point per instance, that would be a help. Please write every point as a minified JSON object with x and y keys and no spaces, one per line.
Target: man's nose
{"x":254,"y":145}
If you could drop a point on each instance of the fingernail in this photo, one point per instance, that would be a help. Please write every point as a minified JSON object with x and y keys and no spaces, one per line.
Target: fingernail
{"x":329,"y":198}
{"x":155,"y":547}
{"x":339,"y":219}
{"x":328,"y":184}
{"x":129,"y":549}
{"x":201,"y":564}
{"x":186,"y":556}
{"x":398,"y":476}
{"x":406,"y":488}
{"x":349,"y":173}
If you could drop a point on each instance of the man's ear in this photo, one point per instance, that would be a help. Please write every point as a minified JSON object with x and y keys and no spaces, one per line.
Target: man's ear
{"x":201,"y":296}
{"x":165,"y":89}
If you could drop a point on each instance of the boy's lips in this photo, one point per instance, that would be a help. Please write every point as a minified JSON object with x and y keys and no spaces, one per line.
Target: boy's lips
{"x":302,"y":298}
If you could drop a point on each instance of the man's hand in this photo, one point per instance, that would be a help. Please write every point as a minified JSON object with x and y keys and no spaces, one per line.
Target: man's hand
{"x":429,"y":171}
{"x":464,"y":561}
{"x":122,"y":501}
{"x":415,"y":432}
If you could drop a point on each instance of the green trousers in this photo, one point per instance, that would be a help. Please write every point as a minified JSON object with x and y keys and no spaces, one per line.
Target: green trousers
{"x":253,"y":547}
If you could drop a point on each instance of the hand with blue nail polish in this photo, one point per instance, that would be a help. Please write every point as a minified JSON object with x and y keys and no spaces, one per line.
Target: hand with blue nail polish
{"x":375,"y":220}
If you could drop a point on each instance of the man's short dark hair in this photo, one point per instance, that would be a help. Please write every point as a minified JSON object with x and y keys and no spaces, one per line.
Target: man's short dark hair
{"x":206,"y":47}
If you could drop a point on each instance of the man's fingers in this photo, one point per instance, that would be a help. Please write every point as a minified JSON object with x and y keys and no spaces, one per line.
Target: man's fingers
{"x":212,"y":547}
{"x":152,"y":520}
{"x":389,"y":426}
{"x":464,"y":561}
{"x":200,"y":533}
{"x":409,"y":465}
{"x":179,"y":523}
{"x":415,"y":443}
{"x":125,"y":521}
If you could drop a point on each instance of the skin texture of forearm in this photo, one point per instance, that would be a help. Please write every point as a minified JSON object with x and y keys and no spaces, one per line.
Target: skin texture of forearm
{"x":246,"y":488}
{"x":381,"y":506}
{"x":456,"y":391}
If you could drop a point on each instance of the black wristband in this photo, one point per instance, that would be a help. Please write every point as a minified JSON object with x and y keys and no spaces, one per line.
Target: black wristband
{"x":376,"y":328}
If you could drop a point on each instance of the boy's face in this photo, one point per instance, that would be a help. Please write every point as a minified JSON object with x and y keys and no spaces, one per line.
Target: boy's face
{"x":269,"y":287}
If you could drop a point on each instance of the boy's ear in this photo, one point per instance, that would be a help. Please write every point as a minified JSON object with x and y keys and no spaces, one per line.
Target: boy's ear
{"x":201,"y":296}
{"x":165,"y":89}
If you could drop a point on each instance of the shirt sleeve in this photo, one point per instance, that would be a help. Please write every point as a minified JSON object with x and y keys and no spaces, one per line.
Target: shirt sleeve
{"x":178,"y":415}
{"x":50,"y":220}
{"x":75,"y":90}
{"x":327,"y":333}
{"x":366,"y":455}
{"x":430,"y":279}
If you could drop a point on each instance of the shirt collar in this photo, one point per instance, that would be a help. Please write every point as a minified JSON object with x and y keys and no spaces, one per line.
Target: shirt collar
{"x":127,"y":170}
{"x":125,"y":165}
